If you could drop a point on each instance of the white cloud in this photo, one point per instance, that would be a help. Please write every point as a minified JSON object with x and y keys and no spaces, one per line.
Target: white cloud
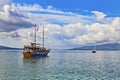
{"x":53,"y":15}
{"x":79,"y":33}
{"x":99,"y":15}
{"x":38,"y":8}
{"x":12,"y":19}
{"x":63,"y":29}
{"x":3,"y":2}
{"x":50,"y":7}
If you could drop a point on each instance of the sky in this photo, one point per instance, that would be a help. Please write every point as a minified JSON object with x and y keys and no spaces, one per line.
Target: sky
{"x":68,"y":23}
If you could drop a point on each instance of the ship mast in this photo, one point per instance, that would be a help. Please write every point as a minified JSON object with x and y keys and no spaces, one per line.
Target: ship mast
{"x":43,"y":37}
{"x":95,"y":46}
{"x":35,"y":36}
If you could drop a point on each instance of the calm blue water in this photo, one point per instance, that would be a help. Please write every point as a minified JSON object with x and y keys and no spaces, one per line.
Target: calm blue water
{"x":61,"y":65}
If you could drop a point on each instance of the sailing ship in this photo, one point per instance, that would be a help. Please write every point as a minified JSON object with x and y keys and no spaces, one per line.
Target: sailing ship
{"x":34,"y":49}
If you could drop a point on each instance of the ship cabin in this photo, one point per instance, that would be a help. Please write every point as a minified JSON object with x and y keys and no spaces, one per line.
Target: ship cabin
{"x":33,"y":47}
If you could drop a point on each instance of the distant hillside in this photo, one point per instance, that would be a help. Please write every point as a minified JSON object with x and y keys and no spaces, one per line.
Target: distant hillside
{"x":8,"y":48}
{"x":110,"y":46}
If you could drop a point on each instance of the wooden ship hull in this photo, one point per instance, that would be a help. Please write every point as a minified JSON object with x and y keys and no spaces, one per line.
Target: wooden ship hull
{"x":28,"y":54}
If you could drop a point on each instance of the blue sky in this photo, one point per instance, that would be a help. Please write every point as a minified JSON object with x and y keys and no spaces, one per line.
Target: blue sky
{"x":68,"y":23}
{"x":110,"y":7}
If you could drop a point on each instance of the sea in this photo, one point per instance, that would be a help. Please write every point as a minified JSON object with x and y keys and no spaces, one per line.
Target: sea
{"x":60,"y":65}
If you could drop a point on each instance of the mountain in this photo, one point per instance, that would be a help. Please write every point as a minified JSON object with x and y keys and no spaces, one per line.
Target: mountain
{"x":109,"y":46}
{"x":8,"y":48}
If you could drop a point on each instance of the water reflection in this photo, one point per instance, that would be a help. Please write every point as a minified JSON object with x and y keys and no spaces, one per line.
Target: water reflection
{"x":36,"y":60}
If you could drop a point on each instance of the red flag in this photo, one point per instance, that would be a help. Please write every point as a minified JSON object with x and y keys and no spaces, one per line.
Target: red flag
{"x":36,"y":29}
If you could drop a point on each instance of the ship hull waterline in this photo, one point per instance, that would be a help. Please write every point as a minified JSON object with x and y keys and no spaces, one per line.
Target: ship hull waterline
{"x":36,"y":54}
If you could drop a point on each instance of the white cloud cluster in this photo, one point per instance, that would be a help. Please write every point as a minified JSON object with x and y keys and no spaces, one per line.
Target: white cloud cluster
{"x":99,"y":15}
{"x":80,"y":34}
{"x":62,"y":29}
{"x":12,"y":19}
{"x":3,"y":2}
{"x":52,"y":15}
{"x":72,"y":35}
